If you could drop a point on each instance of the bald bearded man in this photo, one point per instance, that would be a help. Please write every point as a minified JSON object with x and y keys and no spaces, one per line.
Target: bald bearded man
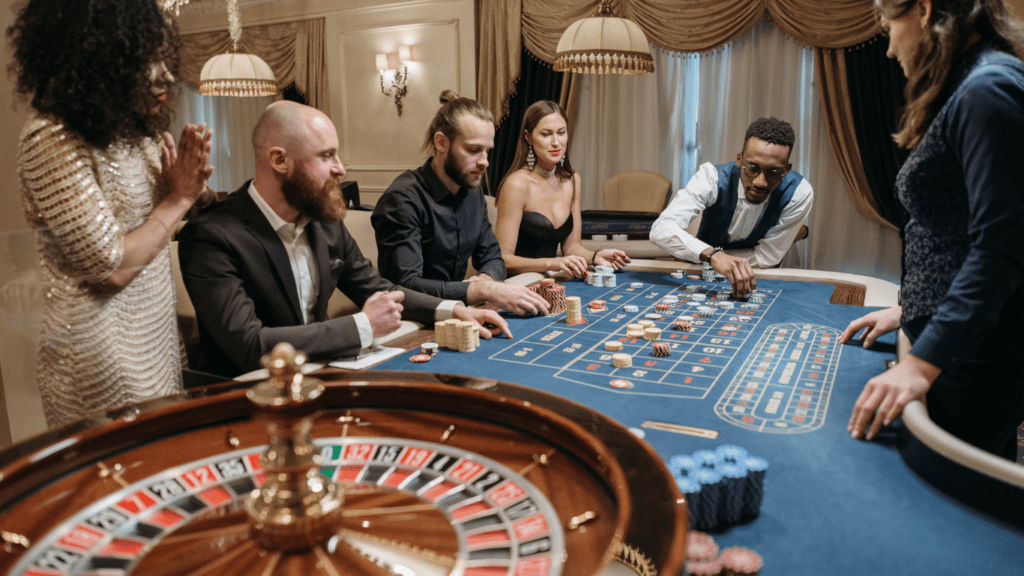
{"x":260,"y":266}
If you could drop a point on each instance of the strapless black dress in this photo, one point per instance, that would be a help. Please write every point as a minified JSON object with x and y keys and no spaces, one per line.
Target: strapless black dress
{"x":538,"y":237}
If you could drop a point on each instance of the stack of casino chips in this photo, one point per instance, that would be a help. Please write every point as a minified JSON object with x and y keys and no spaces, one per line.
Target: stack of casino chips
{"x":704,"y":559}
{"x":465,"y":341}
{"x":677,"y":274}
{"x":705,"y":311}
{"x":630,"y":308}
{"x":552,"y":293}
{"x":707,"y":273}
{"x":721,"y":296}
{"x":698,"y":297}
{"x":573,"y":309}
{"x":756,"y":298}
{"x":636,"y":285}
{"x":597,"y":305}
{"x":723,"y":487}
{"x":682,"y":324}
{"x":725,"y":305}
{"x":622,"y":360}
{"x":692,"y":288}
{"x":652,"y":333}
{"x":602,"y":276}
{"x":660,"y":348}
{"x":662,"y":307}
{"x":635,"y":331}
{"x":613,"y":346}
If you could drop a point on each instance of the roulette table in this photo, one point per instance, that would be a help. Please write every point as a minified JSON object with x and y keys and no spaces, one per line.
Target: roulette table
{"x":439,"y":474}
{"x":774,"y":380}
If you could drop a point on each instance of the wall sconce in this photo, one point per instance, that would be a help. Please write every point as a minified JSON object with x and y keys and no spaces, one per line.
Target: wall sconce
{"x":387,"y":65}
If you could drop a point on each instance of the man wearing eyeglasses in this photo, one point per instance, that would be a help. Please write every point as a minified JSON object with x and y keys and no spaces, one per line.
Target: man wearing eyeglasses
{"x":752,"y":209}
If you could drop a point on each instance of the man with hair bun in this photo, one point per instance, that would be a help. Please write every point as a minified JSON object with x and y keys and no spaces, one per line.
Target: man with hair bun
{"x":752,"y":209}
{"x":432,"y":220}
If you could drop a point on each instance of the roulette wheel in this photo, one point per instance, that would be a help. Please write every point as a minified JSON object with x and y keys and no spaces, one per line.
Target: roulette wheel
{"x":385,"y":473}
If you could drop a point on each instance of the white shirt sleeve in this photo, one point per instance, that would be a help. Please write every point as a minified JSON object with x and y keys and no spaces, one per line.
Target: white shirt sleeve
{"x":776,"y":242}
{"x":365,"y":330}
{"x":444,"y":310}
{"x":669,"y":231}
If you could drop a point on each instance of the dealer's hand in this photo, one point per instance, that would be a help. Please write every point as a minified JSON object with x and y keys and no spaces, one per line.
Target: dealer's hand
{"x":877,"y":323}
{"x":885,"y":395}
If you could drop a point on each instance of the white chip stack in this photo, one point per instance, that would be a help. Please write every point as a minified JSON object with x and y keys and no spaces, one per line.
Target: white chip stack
{"x":573,"y":310}
{"x":622,"y":360}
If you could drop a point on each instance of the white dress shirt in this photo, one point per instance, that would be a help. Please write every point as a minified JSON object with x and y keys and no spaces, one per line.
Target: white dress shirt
{"x":669,"y":231}
{"x":300,"y":256}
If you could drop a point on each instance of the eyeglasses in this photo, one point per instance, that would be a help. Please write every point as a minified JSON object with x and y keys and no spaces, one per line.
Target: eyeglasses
{"x":771,"y":174}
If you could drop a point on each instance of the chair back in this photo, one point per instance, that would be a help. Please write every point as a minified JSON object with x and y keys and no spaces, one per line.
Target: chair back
{"x":637,"y":191}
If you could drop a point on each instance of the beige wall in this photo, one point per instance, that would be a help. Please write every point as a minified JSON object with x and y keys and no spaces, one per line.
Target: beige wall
{"x":16,"y":348}
{"x":376,"y":144}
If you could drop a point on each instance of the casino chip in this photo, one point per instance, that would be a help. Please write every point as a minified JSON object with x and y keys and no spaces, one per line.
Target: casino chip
{"x":741,"y":561}
{"x":621,"y":384}
{"x":419,"y":358}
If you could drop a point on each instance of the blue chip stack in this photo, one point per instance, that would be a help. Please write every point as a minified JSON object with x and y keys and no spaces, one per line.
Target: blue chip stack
{"x":723,"y":487}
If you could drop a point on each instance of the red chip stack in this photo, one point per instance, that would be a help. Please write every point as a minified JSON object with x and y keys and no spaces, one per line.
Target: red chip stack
{"x":552,"y":293}
{"x":700,"y":546}
{"x":739,"y":561}
{"x":661,"y":348}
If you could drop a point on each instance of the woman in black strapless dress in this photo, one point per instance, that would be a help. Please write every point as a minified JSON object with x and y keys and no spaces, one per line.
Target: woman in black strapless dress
{"x":539,"y":202}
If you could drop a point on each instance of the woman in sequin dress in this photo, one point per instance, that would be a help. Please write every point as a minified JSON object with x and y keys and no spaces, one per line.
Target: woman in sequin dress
{"x":541,"y":188}
{"x":103,"y":186}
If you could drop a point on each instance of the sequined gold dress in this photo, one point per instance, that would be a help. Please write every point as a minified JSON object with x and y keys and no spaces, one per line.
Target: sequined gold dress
{"x":96,"y":350}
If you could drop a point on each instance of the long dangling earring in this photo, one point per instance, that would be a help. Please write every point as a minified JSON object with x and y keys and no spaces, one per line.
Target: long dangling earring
{"x":530,"y":159}
{"x":562,"y":161}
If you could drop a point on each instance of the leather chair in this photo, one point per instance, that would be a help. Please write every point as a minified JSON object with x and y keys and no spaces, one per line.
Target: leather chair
{"x":637,"y":191}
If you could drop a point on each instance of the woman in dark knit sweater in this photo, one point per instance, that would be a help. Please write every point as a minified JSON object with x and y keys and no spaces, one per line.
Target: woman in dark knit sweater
{"x":963,"y":248}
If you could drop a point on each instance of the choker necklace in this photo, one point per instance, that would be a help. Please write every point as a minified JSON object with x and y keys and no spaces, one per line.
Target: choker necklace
{"x":542,"y":172}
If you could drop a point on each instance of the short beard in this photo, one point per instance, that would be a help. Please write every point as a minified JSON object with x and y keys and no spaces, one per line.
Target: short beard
{"x":323,"y":204}
{"x":451,"y":168}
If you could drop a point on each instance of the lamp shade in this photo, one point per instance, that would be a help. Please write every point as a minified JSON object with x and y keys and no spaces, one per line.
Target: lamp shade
{"x":603,"y":45}
{"x":237,"y":75}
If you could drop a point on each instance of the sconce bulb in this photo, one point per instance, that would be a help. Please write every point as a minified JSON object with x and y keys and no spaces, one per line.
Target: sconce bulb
{"x":382,"y":62}
{"x":404,"y":54}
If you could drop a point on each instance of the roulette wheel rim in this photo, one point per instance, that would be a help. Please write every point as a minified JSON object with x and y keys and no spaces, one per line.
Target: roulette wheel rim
{"x":650,"y":521}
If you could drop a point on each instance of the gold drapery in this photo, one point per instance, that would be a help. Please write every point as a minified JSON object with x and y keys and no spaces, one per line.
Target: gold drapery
{"x":294,"y":51}
{"x":507,"y":26}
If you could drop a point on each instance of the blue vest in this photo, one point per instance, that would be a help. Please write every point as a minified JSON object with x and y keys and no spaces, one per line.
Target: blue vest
{"x":715,"y":220}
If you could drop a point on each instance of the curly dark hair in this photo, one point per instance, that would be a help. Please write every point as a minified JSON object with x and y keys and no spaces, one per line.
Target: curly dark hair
{"x":86,"y":62}
{"x":771,"y":130}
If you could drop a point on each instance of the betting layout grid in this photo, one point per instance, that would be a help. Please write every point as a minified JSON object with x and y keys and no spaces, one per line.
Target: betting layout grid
{"x":811,"y":461}
{"x":783,"y":387}
{"x":489,"y":506}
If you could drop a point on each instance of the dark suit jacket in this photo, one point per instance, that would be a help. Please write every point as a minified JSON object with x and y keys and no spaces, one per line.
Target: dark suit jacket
{"x":237,"y":273}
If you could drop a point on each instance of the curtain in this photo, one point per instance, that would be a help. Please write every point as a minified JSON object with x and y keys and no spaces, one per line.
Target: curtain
{"x":876,"y":96}
{"x":696,"y":107}
{"x":659,"y":134}
{"x":294,"y":51}
{"x":695,"y":25}
{"x":232,"y":120}
{"x":537,"y":82}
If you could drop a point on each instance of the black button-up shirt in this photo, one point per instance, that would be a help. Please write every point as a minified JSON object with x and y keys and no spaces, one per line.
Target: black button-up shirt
{"x":426,"y":235}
